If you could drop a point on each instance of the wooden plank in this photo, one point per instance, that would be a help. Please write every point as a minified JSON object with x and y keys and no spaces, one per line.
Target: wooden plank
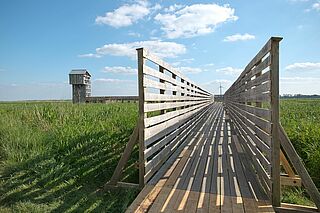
{"x":166,"y":152}
{"x":151,"y":72}
{"x":235,"y":194}
{"x":262,"y":97}
{"x":252,"y":179}
{"x":149,"y":107}
{"x":264,"y":50}
{"x":164,"y":97}
{"x":196,"y":197}
{"x":286,"y":165}
{"x":226,"y":202}
{"x":261,"y":123}
{"x":186,"y":179}
{"x":168,"y":83}
{"x":170,"y":130}
{"x":204,"y":200}
{"x":165,"y":195}
{"x":255,"y":136}
{"x":141,"y":116}
{"x":251,"y":128}
{"x":169,"y":115}
{"x":259,"y":67}
{"x":184,"y":127}
{"x":215,"y":196}
{"x":139,"y":199}
{"x":259,"y":112}
{"x":258,"y":81}
{"x":155,"y":163}
{"x":275,"y":143}
{"x":168,"y":67}
{"x":243,"y":184}
{"x":176,"y":195}
{"x":257,"y":59}
{"x":290,"y":181}
{"x":292,"y":208}
{"x":250,"y":91}
{"x":259,"y":168}
{"x":299,"y":167}
{"x":160,"y":130}
{"x":125,"y":156}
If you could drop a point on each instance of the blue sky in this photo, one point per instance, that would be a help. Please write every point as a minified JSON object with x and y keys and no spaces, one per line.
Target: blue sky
{"x":210,"y":41}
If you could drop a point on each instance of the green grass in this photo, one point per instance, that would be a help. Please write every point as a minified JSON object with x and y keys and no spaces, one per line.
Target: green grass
{"x":300,"y":118}
{"x":57,"y":156}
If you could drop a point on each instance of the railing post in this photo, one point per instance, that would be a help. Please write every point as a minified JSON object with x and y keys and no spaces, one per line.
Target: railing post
{"x":275,"y":142}
{"x":142,"y":115}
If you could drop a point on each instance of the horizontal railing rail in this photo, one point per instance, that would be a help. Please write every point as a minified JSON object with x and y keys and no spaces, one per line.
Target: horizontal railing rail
{"x":253,"y":104}
{"x":169,"y":104}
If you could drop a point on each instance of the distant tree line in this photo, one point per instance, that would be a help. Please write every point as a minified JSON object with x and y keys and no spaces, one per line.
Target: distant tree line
{"x":299,"y":96}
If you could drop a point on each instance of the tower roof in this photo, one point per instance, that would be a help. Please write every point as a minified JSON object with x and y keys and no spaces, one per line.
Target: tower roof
{"x":79,"y":72}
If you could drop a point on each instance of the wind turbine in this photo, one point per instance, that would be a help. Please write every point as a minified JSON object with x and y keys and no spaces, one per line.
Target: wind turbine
{"x":220,"y":89}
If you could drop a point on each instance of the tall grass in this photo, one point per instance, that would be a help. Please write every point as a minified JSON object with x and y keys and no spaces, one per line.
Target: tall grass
{"x":57,"y":156}
{"x":300,"y":119}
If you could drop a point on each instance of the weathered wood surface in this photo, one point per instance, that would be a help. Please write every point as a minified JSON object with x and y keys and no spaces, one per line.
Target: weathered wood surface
{"x":253,"y":104}
{"x":209,"y":174}
{"x":170,"y":105}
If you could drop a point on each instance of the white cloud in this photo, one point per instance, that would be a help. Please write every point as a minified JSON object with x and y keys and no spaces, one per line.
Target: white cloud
{"x":239,"y":37}
{"x":112,"y":80}
{"x":190,"y":70}
{"x":120,"y":70}
{"x":125,"y":15}
{"x":156,"y":7}
{"x":195,"y":20}
{"x":300,"y":85}
{"x":229,"y":71}
{"x":298,"y":79}
{"x":173,"y":8}
{"x":159,"y":48}
{"x":304,"y":66}
{"x":316,"y":6}
{"x":222,"y":81}
{"x":89,"y":55}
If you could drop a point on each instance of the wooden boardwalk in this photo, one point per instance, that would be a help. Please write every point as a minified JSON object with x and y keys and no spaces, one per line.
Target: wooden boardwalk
{"x":196,"y":155}
{"x":212,"y":173}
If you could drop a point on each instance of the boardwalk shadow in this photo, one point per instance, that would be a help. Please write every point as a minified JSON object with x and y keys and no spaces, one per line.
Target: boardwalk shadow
{"x":71,"y":178}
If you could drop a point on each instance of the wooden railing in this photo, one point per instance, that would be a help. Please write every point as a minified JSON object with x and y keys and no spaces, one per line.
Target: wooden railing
{"x":169,"y":106}
{"x":253,"y":104}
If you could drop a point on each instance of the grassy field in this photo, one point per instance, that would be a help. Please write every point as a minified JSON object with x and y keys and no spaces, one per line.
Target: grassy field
{"x":300,"y":118}
{"x":57,"y":156}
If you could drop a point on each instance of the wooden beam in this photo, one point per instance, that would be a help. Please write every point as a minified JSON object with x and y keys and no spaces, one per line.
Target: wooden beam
{"x":275,"y":143}
{"x":142,"y":115}
{"x":299,"y":167}
{"x":290,"y":181}
{"x":286,"y":165}
{"x":125,"y":157}
{"x":293,"y":208}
